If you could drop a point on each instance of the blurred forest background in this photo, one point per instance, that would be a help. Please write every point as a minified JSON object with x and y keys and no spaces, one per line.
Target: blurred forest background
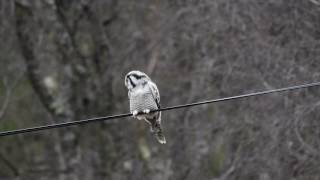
{"x":65,"y":60}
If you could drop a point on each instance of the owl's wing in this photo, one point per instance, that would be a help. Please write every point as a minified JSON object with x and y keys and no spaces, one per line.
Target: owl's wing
{"x":155,"y":92}
{"x":129,"y":94}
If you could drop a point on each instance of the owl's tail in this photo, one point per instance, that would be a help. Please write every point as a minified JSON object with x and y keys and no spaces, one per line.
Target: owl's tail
{"x":160,"y":137}
{"x":157,"y":130}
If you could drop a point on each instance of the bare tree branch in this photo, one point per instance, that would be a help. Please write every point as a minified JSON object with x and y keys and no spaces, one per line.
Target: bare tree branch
{"x":227,"y":173}
{"x":24,"y":17}
{"x":304,"y":144}
{"x":24,"y":29}
{"x":316,"y":2}
{"x":70,"y":28}
{"x":6,"y":100}
{"x":10,"y":165}
{"x":9,"y":90}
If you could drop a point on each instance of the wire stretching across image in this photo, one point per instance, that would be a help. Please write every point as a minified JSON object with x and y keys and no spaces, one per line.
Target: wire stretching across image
{"x":97,"y":119}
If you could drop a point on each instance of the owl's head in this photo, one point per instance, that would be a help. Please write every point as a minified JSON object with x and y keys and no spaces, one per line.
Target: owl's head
{"x":135,"y":78}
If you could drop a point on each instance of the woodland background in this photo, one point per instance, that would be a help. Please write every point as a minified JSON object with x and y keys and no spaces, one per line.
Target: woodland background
{"x":65,"y":60}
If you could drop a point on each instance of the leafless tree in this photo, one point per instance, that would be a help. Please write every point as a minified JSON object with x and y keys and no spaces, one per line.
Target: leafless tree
{"x":75,"y":55}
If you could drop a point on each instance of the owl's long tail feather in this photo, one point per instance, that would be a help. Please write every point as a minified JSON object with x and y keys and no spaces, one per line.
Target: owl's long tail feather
{"x":155,"y":127}
{"x":160,"y":137}
{"x":157,"y":130}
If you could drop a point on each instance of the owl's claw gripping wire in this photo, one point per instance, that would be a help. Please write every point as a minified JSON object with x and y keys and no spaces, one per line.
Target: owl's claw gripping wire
{"x":135,"y":113}
{"x":146,"y":111}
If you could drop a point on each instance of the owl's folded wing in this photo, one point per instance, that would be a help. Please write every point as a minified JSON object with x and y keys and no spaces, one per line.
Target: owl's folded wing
{"x":155,"y":92}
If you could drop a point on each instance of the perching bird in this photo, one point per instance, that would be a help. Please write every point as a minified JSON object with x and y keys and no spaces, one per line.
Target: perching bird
{"x":144,"y":96}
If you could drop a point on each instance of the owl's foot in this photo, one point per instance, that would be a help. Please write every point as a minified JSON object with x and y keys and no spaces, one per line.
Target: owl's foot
{"x":146,"y":111}
{"x":135,"y":113}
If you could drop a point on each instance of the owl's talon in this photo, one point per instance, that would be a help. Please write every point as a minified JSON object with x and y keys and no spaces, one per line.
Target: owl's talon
{"x":134,"y":113}
{"x":146,"y":111}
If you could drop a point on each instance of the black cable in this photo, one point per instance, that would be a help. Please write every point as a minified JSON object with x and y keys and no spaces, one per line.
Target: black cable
{"x":241,"y":96}
{"x":85,"y":121}
{"x":64,"y":124}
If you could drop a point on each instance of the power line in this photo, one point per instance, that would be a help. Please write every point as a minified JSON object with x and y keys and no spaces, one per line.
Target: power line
{"x":96,"y":119}
{"x":303,"y":86}
{"x":64,"y":124}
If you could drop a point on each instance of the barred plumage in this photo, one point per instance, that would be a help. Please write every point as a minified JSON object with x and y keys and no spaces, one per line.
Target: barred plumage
{"x":144,"y":96}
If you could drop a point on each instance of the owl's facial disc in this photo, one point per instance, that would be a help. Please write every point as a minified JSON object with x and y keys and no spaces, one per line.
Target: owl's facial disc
{"x":135,"y":78}
{"x":129,"y":82}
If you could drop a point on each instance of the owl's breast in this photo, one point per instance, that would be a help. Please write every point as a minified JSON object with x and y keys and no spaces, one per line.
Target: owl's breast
{"x":142,"y":100}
